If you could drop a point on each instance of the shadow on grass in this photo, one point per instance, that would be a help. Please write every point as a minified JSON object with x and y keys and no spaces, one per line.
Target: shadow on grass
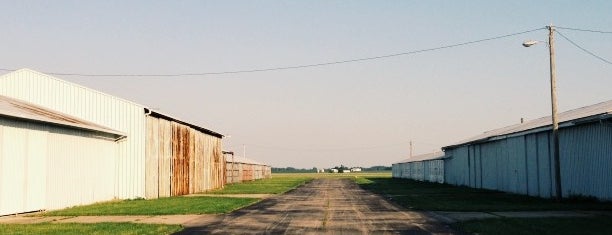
{"x":513,"y":226}
{"x":444,"y":197}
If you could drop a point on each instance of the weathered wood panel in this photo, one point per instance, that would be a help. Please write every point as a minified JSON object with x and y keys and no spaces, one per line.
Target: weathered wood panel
{"x":237,"y":171}
{"x":152,"y":158}
{"x":181,"y":160}
{"x":181,"y":155}
{"x":165,"y":158}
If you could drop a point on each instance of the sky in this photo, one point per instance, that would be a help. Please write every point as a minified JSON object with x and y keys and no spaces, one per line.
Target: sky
{"x":362,"y":113}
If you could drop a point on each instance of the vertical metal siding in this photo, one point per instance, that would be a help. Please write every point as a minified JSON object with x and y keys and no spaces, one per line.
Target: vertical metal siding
{"x":181,"y":160}
{"x":426,"y":170}
{"x":181,"y":154}
{"x":165,"y":158}
{"x":81,"y":169}
{"x":586,"y":160}
{"x":93,"y":106}
{"x":524,"y":165}
{"x":533,"y":177}
{"x":243,"y":171}
{"x":478,"y":166}
{"x":49,"y":167}
{"x":406,"y":171}
{"x":544,"y":166}
{"x":456,"y":168}
{"x":152,"y":158}
{"x":395,"y":171}
{"x":22,"y":173}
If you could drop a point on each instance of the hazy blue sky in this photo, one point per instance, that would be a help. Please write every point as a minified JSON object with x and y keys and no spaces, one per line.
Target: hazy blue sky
{"x":356,"y":114}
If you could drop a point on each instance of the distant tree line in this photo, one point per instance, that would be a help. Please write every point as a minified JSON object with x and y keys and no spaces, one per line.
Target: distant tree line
{"x":292,"y":170}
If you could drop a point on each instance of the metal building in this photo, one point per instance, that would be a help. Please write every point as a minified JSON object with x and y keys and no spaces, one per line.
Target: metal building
{"x":518,"y":158}
{"x":159,"y":157}
{"x":426,"y":167}
{"x":239,"y":169}
{"x":181,"y":158}
{"x":50,"y":160}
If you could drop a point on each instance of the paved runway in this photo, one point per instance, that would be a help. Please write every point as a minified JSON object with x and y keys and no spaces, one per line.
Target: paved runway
{"x":323,"y":206}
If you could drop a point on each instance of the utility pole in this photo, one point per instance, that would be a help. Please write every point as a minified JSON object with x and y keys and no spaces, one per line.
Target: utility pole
{"x":411,"y":149}
{"x":555,"y":120}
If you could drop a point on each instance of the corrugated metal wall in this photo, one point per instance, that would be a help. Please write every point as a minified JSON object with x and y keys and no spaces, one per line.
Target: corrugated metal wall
{"x":395,"y":171}
{"x":93,"y":106}
{"x":456,"y":168}
{"x":79,"y":170}
{"x":232,"y":174}
{"x":22,"y":172}
{"x":586,"y":160}
{"x":181,"y":160}
{"x":158,"y":158}
{"x":48,"y":167}
{"x":427,"y":170}
{"x":239,"y":172}
{"x":523,"y":164}
{"x":434,"y":171}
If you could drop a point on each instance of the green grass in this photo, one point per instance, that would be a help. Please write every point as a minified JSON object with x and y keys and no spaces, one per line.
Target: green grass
{"x":94,"y":229}
{"x":283,"y":182}
{"x":512,"y":226}
{"x":443,"y":197}
{"x":274,"y":185}
{"x":161,"y":206}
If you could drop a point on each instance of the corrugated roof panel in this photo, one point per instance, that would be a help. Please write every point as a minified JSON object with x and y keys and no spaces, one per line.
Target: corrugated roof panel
{"x":424,"y":157}
{"x":565,"y":118}
{"x":24,"y":110}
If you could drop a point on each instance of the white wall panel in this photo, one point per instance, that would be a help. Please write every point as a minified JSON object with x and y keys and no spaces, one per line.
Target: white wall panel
{"x":93,"y":106}
{"x":81,"y":170}
{"x":46,"y":167}
{"x":22,"y":173}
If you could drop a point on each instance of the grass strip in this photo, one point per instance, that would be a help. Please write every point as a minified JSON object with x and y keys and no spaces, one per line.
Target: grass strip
{"x":274,"y":185}
{"x":161,"y":206}
{"x":443,"y":197}
{"x":94,"y":229}
{"x":512,"y":226}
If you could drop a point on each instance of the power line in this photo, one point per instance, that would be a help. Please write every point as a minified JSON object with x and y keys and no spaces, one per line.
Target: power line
{"x":584,"y":30}
{"x":583,"y":49}
{"x":288,"y":67}
{"x":403,"y":143}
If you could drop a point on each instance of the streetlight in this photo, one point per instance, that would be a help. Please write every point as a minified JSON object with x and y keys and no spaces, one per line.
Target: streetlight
{"x":553,"y":98}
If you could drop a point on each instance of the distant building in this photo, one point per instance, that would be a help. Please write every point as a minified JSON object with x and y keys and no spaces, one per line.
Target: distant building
{"x":426,"y":167}
{"x":333,"y":170}
{"x":356,"y":169}
{"x":346,"y":171}
{"x":239,"y":169}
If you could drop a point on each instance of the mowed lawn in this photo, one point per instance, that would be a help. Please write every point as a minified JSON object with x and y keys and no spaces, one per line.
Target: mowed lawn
{"x":161,"y":206}
{"x":94,"y":229}
{"x":442,"y":197}
{"x":189,"y":205}
{"x":275,"y":185}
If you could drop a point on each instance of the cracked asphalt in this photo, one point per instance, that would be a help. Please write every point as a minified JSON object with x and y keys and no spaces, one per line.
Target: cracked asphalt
{"x":323,"y":206}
